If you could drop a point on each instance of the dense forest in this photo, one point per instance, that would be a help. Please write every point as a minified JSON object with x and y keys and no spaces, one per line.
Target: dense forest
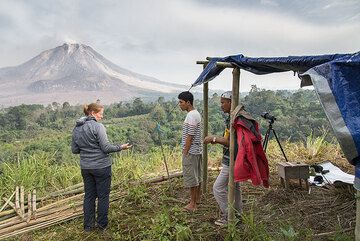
{"x":28,"y":129}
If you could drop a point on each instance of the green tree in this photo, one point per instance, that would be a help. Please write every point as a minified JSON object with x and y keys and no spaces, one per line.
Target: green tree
{"x":158,"y":114}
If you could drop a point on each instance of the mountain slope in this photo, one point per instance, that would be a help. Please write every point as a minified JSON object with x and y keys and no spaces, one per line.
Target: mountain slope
{"x":75,"y":73}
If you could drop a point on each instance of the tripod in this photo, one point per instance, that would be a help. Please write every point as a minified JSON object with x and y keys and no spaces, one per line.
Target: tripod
{"x":267,"y":136}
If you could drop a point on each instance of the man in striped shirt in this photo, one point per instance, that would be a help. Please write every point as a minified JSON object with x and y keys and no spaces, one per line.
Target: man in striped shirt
{"x":191,"y":143}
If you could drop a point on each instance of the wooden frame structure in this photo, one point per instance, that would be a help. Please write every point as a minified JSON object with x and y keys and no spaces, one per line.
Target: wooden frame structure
{"x":234,"y":103}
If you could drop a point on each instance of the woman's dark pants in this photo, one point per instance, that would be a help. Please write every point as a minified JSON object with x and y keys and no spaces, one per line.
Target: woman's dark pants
{"x":97,"y":184}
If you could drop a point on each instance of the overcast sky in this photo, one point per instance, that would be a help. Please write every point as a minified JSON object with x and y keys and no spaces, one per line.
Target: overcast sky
{"x":165,"y":38}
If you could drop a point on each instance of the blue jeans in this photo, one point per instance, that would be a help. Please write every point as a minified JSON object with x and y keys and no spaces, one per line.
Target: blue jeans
{"x":97,"y":184}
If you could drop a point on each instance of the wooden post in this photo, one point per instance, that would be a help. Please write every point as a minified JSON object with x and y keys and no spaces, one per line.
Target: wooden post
{"x":34,"y":203}
{"x":165,"y":162}
{"x":29,"y":208}
{"x":17,"y":204}
{"x":357,"y":225}
{"x":234,"y":103}
{"x":22,"y":206}
{"x":205,"y":133}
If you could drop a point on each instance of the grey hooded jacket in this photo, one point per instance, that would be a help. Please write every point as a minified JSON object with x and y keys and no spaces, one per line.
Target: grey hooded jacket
{"x":89,"y":139}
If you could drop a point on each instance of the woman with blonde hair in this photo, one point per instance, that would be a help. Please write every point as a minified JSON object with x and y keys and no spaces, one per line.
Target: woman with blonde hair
{"x":89,"y":139}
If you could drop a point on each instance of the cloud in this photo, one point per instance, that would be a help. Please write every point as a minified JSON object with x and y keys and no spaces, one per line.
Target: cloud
{"x":164,"y":38}
{"x":269,"y":3}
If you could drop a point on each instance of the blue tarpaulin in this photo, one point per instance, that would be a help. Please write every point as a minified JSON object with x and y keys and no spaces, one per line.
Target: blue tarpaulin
{"x":336,"y":79}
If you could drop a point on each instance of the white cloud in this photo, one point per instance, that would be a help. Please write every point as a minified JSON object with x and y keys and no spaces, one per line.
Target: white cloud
{"x":269,"y":3}
{"x":164,"y":38}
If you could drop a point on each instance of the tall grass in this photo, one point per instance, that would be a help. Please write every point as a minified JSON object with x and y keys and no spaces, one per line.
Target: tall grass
{"x":129,"y":165}
{"x":43,"y":172}
{"x":313,"y":149}
{"x":37,"y":171}
{"x":315,"y":145}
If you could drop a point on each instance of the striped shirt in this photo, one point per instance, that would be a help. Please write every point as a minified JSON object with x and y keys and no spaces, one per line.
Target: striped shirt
{"x":192,"y":127}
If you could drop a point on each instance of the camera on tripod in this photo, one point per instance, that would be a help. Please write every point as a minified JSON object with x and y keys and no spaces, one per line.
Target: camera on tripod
{"x":268,"y":117}
{"x":270,"y":129}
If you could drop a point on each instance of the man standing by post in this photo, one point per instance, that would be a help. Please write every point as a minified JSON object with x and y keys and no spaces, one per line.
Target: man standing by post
{"x":220,"y":187}
{"x":191,"y":149}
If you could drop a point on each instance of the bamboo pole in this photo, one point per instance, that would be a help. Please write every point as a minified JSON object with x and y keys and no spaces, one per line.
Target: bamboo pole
{"x":7,"y":202}
{"x":164,"y":158}
{"x":4,"y":214}
{"x":38,"y":221}
{"x":56,"y":194}
{"x":234,"y":103}
{"x":17,"y":206}
{"x":74,"y":206}
{"x":205,"y":133}
{"x":29,"y":208}
{"x":219,"y":63}
{"x":60,"y":202}
{"x":46,"y":212}
{"x":225,"y":65}
{"x":22,"y":206}
{"x":157,"y":179}
{"x":332,"y":232}
{"x":39,"y":225}
{"x":63,"y":211}
{"x":34,"y":203}
{"x":17,"y":211}
{"x":62,"y":193}
{"x":202,"y":62}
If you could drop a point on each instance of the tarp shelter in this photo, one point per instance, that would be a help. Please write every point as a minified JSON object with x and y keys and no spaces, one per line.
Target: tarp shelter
{"x":336,"y":79}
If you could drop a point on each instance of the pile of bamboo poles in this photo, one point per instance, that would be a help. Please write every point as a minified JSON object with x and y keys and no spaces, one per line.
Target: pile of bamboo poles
{"x":41,"y":213}
{"x":24,"y":217}
{"x":19,"y":206}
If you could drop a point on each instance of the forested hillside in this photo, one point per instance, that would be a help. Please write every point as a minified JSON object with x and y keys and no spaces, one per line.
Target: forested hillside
{"x":28,"y":129}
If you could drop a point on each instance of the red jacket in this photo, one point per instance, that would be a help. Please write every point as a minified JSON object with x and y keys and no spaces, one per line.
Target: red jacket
{"x":251,"y":162}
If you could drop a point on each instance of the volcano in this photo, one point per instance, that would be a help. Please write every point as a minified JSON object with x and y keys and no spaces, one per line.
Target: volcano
{"x":77,"y":74}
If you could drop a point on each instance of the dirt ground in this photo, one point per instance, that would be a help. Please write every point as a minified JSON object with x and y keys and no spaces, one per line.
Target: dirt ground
{"x":322,"y":213}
